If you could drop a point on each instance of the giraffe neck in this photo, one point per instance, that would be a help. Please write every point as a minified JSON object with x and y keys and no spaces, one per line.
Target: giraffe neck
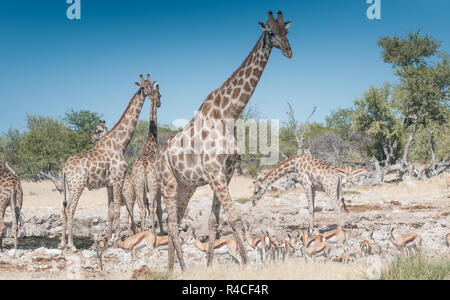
{"x":124,"y":129}
{"x":3,"y":168}
{"x":229,"y":101}
{"x":153,"y":129}
{"x":284,"y":168}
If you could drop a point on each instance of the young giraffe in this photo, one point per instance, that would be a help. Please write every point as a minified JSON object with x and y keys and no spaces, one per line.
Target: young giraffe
{"x":144,"y":170}
{"x":11,"y":194}
{"x":102,"y":166}
{"x":314,"y":176}
{"x":194,"y":157}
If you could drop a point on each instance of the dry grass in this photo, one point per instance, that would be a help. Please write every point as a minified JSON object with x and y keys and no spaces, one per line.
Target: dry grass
{"x":290,"y":270}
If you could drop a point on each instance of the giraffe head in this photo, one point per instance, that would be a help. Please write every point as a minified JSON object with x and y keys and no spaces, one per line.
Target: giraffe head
{"x":258,"y":190}
{"x":276,"y":31}
{"x":146,"y":86}
{"x":349,"y":173}
{"x":99,"y":132}
{"x":156,"y":97}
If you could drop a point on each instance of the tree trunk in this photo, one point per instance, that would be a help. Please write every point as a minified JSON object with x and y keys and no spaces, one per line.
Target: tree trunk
{"x":410,"y":141}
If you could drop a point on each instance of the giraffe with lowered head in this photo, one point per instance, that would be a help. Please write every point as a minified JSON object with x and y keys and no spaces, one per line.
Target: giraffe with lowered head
{"x":195,"y":156}
{"x":314,"y":176}
{"x":102,"y":166}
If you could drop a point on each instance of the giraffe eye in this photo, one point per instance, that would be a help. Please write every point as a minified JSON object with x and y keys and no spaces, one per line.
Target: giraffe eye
{"x":271,"y":34}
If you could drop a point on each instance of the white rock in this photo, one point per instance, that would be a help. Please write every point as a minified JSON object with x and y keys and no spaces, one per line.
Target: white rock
{"x":88,"y":254}
{"x":53,"y":252}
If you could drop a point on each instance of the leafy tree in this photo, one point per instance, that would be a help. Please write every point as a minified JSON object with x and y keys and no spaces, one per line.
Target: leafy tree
{"x":423,"y":87}
{"x":81,"y":124}
{"x":374,"y":116}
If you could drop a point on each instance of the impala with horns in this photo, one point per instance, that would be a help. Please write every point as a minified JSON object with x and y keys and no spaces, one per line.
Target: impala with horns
{"x":260,"y":245}
{"x":406,"y":241}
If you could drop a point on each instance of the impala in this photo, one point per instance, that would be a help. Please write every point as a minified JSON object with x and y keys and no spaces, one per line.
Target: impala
{"x":225,"y":245}
{"x":260,"y":245}
{"x":405,"y":241}
{"x":315,"y":250}
{"x":336,"y":236}
{"x":366,"y":246}
{"x":136,"y":242}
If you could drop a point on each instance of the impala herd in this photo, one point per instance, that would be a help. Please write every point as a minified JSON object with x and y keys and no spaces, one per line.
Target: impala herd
{"x":267,"y":248}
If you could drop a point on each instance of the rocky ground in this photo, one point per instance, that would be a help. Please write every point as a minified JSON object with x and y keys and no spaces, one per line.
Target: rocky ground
{"x":420,"y":206}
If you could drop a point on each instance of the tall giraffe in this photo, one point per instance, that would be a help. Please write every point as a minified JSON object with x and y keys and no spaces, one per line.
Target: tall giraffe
{"x":11,"y":194}
{"x":144,"y":175}
{"x":184,"y":169}
{"x":102,"y":166}
{"x":314,"y":176}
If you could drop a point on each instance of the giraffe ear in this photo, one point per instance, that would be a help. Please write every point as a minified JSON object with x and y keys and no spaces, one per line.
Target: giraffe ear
{"x":137,"y":84}
{"x":341,"y":171}
{"x":287,"y":24}
{"x":263,"y":26}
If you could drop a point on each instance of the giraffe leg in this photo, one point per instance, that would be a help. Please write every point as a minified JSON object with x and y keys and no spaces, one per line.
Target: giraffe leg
{"x":2,"y":224}
{"x":140,"y":199}
{"x":15,"y":227}
{"x":213,"y":225}
{"x":220,"y":189}
{"x":152,"y":193}
{"x":334,"y":193}
{"x":110,"y":213}
{"x":73,"y":202}
{"x":18,"y":209}
{"x":159,"y":212}
{"x":117,"y":191}
{"x":310,"y":196}
{"x":131,"y":224}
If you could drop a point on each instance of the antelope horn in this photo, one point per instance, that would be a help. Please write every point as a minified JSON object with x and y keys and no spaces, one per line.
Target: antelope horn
{"x":280,"y":17}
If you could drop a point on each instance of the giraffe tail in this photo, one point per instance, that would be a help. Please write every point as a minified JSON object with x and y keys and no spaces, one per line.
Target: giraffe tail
{"x":339,"y":191}
{"x":65,"y":193}
{"x":15,"y":208}
{"x":146,"y":190}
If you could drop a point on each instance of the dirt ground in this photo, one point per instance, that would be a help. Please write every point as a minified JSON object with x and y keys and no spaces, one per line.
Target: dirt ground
{"x":420,"y":206}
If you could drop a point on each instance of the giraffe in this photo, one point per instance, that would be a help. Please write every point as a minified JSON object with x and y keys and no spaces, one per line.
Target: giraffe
{"x":314,"y":176}
{"x":144,"y":169}
{"x":102,"y":166}
{"x":99,"y":132}
{"x":128,"y":198}
{"x":194,"y":158}
{"x":11,"y":194}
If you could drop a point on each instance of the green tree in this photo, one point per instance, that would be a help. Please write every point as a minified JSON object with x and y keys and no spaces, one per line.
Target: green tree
{"x":81,"y":124}
{"x":374,"y":116}
{"x":424,"y":77}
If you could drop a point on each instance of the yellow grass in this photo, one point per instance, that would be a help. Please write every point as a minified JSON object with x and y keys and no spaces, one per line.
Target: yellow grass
{"x":290,"y":270}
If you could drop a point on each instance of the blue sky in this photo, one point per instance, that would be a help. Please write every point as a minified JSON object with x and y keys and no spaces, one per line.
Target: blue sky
{"x":49,"y":64}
